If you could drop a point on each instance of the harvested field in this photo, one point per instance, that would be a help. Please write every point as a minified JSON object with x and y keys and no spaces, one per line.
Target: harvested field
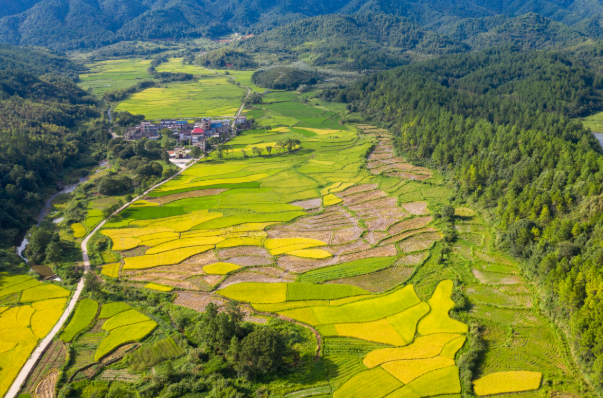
{"x":200,"y":259}
{"x":273,"y":271}
{"x":178,"y":276}
{"x":243,"y":251}
{"x":416,"y":208}
{"x":359,"y":245}
{"x":308,"y":204}
{"x":249,"y":261}
{"x":383,"y":251}
{"x":247,"y":276}
{"x":380,"y":224}
{"x":197,"y":300}
{"x":362,"y":197}
{"x":212,"y":280}
{"x":379,"y":281}
{"x":276,"y":233}
{"x":344,"y":235}
{"x":358,"y":188}
{"x":412,"y":259}
{"x":419,"y":242}
{"x":407,"y":225}
{"x":54,"y":358}
{"x":373,"y":237}
{"x":378,"y":207}
{"x":45,"y":388}
{"x":405,"y":235}
{"x":298,"y":264}
{"x":185,"y":195}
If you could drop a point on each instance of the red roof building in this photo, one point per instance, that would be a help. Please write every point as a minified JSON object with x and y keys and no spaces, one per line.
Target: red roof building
{"x":198,"y":131}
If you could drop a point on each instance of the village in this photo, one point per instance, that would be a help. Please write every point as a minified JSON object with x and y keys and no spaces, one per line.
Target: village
{"x":187,"y":134}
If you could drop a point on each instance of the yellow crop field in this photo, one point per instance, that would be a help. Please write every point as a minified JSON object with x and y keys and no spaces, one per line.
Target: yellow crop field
{"x":369,"y":309}
{"x":322,"y":131}
{"x":110,"y":309}
{"x":159,"y":235}
{"x":437,"y":382}
{"x":438,"y":320}
{"x":371,"y":383}
{"x":247,"y":227}
{"x":181,"y":243}
{"x":12,"y":361}
{"x":451,"y":348}
{"x":305,"y":315}
{"x":165,"y":258}
{"x":111,"y":270}
{"x":185,"y":223}
{"x":252,"y":178}
{"x":232,"y":242}
{"x":156,"y":242}
{"x":408,"y":370}
{"x":327,"y":190}
{"x":134,"y":232}
{"x":78,"y":230}
{"x":342,"y":187}
{"x":423,"y":347}
{"x":289,"y":305}
{"x":46,"y":316}
{"x":331,"y":200}
{"x":210,"y":170}
{"x":507,"y":382}
{"x":310,"y":253}
{"x":24,"y":314}
{"x":124,"y":243}
{"x":262,"y":293}
{"x":122,"y":335}
{"x":380,"y":331}
{"x":406,"y":321}
{"x":279,"y":243}
{"x":220,"y":268}
{"x":161,"y":288}
{"x":43,"y":292}
{"x":124,"y":318}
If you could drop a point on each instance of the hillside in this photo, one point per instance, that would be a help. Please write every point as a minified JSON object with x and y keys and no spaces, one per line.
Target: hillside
{"x":370,"y":41}
{"x":72,"y":24}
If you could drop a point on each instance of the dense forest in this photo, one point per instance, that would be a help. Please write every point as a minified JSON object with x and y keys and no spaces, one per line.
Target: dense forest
{"x":498,"y":123}
{"x":226,"y":58}
{"x":38,"y":139}
{"x":92,"y":23}
{"x":283,"y":78}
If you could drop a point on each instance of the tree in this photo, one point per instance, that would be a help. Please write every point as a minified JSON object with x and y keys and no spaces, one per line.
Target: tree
{"x":196,"y":152}
{"x":53,"y":252}
{"x":91,"y":284}
{"x":165,"y":156}
{"x":257,"y":151}
{"x":269,"y":150}
{"x":447,"y":211}
{"x":261,"y":353}
{"x":38,"y":239}
{"x":220,"y":151}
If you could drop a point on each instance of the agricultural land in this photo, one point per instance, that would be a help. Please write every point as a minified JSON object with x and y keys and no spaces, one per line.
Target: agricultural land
{"x":318,"y":223}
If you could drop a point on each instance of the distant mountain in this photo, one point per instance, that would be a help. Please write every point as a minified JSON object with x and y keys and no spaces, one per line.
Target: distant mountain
{"x":530,"y":31}
{"x":70,"y":24}
{"x":366,"y":41}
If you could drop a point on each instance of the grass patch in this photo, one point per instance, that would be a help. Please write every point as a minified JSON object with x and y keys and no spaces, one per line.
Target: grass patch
{"x":148,"y":356}
{"x":125,"y":318}
{"x":262,"y":293}
{"x":122,"y":335}
{"x":110,"y":309}
{"x":346,"y":270}
{"x":304,"y":291}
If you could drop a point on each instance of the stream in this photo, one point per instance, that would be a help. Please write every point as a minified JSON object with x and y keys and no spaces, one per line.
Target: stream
{"x":599,"y":137}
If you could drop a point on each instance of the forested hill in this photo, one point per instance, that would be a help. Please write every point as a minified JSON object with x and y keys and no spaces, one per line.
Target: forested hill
{"x":368,"y":41}
{"x":497,"y":123}
{"x":39,"y":142}
{"x":70,"y":24}
{"x":38,"y":61}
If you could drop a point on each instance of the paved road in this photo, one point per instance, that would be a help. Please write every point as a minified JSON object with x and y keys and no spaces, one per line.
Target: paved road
{"x":39,"y":351}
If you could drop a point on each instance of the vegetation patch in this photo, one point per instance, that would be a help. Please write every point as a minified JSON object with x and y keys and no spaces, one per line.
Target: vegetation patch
{"x":84,"y":314}
{"x":111,"y":270}
{"x":158,"y":287}
{"x":122,"y":335}
{"x":124,"y":318}
{"x":79,"y":231}
{"x":110,"y":309}
{"x":150,"y":355}
{"x":43,"y":292}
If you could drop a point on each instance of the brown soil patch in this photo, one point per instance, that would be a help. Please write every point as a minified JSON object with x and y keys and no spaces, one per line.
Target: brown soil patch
{"x":309,"y":204}
{"x":212,"y":280}
{"x":243,"y":251}
{"x":387,"y":203}
{"x":405,"y":235}
{"x":490,"y":278}
{"x":353,"y":247}
{"x":412,"y":259}
{"x":419,"y":242}
{"x":54,"y":358}
{"x":374,"y":237}
{"x":45,"y":388}
{"x":362,"y":197}
{"x":299,"y":265}
{"x":119,"y":353}
{"x":185,"y":195}
{"x":206,"y":258}
{"x":358,"y":188}
{"x":98,"y":326}
{"x":380,"y":223}
{"x":407,"y":225}
{"x":345,"y":235}
{"x":269,"y":271}
{"x":242,"y":277}
{"x":417,"y":208}
{"x":119,"y":375}
{"x":383,"y":251}
{"x":249,"y":261}
{"x":379,"y":281}
{"x":177,"y":284}
{"x":137,"y":251}
{"x":178,"y":276}
{"x":276,"y":233}
{"x":197,"y":301}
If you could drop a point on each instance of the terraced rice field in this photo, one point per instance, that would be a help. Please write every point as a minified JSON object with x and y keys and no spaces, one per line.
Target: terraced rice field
{"x":24,"y":323}
{"x":351,"y":249}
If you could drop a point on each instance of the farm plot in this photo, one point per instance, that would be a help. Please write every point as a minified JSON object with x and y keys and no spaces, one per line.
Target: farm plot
{"x":207,"y":97}
{"x":22,"y":325}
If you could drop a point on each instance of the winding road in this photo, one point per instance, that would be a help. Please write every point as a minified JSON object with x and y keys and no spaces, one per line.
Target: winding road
{"x":41,"y":348}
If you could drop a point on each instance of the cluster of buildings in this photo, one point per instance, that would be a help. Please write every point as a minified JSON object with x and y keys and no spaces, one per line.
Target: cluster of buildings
{"x":195,"y":134}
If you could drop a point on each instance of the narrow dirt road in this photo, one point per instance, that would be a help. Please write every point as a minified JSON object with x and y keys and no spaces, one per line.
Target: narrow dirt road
{"x":45,"y":343}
